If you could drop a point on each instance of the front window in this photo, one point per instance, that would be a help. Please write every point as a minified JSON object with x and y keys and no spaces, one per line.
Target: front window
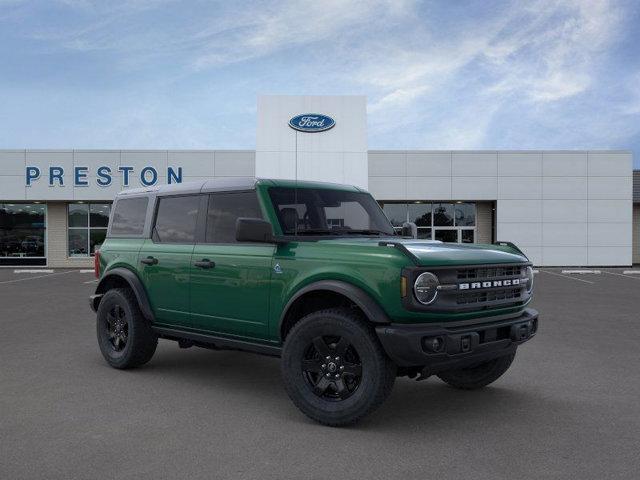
{"x":444,"y":221}
{"x":314,"y":211}
{"x":88,"y":224}
{"x":22,"y":231}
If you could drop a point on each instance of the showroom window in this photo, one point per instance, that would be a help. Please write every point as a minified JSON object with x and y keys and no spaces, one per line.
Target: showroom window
{"x":444,"y":221}
{"x":23,"y":233}
{"x":88,"y":224}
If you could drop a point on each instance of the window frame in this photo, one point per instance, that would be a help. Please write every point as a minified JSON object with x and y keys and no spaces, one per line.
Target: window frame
{"x":156,"y":207}
{"x":202,"y":239}
{"x":88,"y":228}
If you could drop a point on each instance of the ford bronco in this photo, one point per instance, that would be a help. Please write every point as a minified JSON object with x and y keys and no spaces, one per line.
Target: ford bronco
{"x":313,"y":273}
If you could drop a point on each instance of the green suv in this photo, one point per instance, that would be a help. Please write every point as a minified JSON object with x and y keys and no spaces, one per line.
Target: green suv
{"x":313,"y":273}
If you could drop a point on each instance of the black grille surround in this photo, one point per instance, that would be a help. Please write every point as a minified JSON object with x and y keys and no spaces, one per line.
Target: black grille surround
{"x":469,"y":288}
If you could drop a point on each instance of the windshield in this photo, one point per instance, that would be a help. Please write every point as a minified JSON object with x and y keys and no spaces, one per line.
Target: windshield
{"x":314,"y":211}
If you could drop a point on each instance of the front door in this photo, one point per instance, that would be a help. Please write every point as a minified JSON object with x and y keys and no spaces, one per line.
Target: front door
{"x":230,"y":281}
{"x":165,"y":259}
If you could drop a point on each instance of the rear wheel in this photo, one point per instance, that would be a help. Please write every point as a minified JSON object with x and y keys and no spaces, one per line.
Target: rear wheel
{"x":125,"y":337}
{"x":334,"y":368}
{"x":478,"y":376}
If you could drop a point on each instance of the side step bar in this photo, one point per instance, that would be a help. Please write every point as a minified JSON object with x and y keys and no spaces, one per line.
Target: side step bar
{"x":218,"y":342}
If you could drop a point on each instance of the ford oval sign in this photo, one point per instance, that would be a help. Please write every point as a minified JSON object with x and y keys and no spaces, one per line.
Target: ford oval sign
{"x":311,"y":122}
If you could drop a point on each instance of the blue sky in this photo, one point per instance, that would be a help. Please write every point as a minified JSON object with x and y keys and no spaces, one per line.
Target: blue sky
{"x":454,"y":75}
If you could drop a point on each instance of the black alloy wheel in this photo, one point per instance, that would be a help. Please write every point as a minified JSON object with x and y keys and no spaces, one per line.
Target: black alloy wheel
{"x":332,"y":367}
{"x":126,"y":339}
{"x":118,"y":327}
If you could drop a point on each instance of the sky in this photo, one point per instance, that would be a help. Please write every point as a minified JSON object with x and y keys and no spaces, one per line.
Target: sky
{"x":437,"y":75}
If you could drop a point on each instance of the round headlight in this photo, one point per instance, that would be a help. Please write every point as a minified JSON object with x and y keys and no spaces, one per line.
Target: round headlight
{"x":529,"y":273}
{"x":425,"y":288}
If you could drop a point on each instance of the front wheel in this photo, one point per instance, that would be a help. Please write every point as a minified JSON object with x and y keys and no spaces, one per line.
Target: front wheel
{"x":334,"y":368}
{"x":478,"y":376}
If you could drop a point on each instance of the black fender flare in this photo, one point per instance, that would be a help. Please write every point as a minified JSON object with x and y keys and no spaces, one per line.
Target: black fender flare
{"x":134,"y":283}
{"x":362,"y":299}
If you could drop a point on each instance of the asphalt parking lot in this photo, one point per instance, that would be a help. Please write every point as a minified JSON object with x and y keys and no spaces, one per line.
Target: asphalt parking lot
{"x":568,"y":407}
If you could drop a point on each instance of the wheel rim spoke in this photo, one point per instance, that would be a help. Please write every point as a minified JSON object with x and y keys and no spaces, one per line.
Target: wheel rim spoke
{"x":322,"y":385}
{"x":312,"y":365}
{"x":341,"y":388}
{"x":352,"y":369}
{"x":341,"y":347}
{"x":321,"y":346}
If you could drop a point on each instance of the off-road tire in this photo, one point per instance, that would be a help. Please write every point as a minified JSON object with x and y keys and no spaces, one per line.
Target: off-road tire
{"x":141,"y":341}
{"x":477,"y":376}
{"x":377,"y":371}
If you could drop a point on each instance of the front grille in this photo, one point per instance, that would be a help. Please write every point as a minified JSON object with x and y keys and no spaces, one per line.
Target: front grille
{"x":489,"y":272}
{"x":468,"y":298}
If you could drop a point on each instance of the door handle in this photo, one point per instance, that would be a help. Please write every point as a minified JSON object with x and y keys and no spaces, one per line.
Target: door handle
{"x":149,"y":260}
{"x":205,"y":263}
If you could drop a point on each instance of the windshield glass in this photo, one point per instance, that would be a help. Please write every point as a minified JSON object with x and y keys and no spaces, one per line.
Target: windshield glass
{"x":314,"y":211}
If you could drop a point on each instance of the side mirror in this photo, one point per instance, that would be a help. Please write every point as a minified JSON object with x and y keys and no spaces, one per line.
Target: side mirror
{"x":253,"y":230}
{"x":409,"y":229}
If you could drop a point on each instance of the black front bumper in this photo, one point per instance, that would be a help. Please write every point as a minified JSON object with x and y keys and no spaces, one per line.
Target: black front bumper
{"x":446,"y":346}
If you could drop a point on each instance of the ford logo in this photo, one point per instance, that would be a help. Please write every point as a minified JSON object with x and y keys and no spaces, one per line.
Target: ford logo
{"x":311,"y":122}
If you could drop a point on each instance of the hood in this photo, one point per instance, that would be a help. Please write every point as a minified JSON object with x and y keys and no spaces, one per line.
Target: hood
{"x":432,"y":253}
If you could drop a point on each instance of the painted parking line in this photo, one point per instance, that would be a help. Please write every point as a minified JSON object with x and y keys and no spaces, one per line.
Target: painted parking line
{"x":33,"y":271}
{"x":91,"y":281}
{"x":567,"y":276}
{"x":87,"y":270}
{"x":631,"y":272}
{"x":33,"y":278}
{"x":621,"y":275}
{"x":581,"y":272}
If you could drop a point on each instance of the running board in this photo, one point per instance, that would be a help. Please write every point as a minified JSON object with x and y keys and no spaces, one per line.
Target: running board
{"x":208,"y":340}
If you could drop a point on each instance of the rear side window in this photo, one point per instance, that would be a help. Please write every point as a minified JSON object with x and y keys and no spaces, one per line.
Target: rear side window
{"x":224,"y":209}
{"x":129,"y":216}
{"x":176,"y":219}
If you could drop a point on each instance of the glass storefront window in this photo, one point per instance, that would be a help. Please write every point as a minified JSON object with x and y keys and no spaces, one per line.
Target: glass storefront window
{"x":448,"y":235}
{"x":465,"y":214}
{"x":22,"y":230}
{"x":467,"y":235}
{"x":448,"y":222}
{"x":87,"y":227}
{"x":420,"y":214}
{"x":443,"y":214}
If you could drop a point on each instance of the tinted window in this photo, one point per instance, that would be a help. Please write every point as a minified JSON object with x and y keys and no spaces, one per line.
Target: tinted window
{"x":176,"y":219}
{"x":224,"y":210}
{"x":129,"y":215}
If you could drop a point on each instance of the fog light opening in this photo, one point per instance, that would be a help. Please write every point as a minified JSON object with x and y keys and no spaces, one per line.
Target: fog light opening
{"x":434,"y":344}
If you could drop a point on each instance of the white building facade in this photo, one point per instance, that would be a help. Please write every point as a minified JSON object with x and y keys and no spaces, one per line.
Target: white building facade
{"x":563,"y":208}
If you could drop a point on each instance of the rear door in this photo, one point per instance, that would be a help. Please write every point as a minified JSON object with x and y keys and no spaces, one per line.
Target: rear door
{"x":230,"y":281}
{"x":165,"y":259}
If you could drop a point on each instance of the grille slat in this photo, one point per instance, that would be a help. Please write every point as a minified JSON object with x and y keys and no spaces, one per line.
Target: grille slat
{"x":489,"y":272}
{"x":489,"y":296}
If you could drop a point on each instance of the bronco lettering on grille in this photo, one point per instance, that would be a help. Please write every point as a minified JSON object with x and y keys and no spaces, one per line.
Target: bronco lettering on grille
{"x":489,"y":284}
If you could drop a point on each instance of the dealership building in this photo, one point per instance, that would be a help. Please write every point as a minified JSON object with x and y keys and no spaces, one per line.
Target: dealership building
{"x":562,"y":208}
